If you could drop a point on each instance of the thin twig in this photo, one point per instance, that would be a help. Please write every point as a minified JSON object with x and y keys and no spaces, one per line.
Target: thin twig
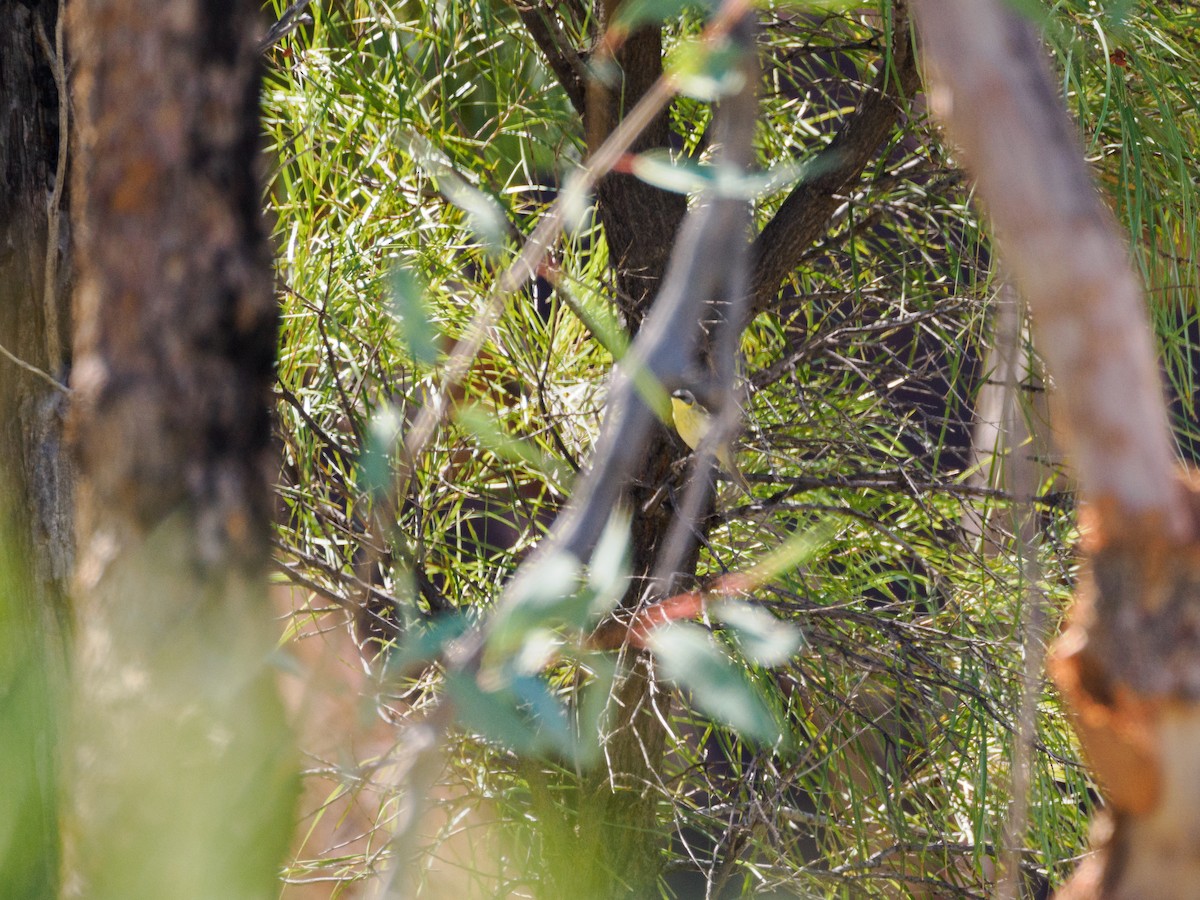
{"x":54,"y":55}
{"x":34,"y":370}
{"x":1022,"y":480}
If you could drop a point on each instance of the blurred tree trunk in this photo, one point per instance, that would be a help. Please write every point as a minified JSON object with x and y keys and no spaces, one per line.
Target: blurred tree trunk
{"x":1129,"y":662}
{"x":35,"y":474}
{"x":185,"y":769}
{"x":614,"y":847}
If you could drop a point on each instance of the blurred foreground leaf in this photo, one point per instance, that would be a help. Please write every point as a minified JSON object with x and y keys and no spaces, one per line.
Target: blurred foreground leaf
{"x":719,"y":687}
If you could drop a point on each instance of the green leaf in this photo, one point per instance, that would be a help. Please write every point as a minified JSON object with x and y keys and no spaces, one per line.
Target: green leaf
{"x":413,"y":318}
{"x":599,"y":319}
{"x":798,"y":549}
{"x":544,"y":595}
{"x":424,"y":642}
{"x":680,"y":176}
{"x":492,"y":714}
{"x":483,"y":425}
{"x":690,"y":658}
{"x":683,"y":176}
{"x":608,"y":572}
{"x":524,"y":715}
{"x":485,"y":215}
{"x":594,"y":706}
{"x":553,"y":731}
{"x":633,"y":13}
{"x":762,"y":638}
{"x":383,"y":432}
{"x":706,"y":70}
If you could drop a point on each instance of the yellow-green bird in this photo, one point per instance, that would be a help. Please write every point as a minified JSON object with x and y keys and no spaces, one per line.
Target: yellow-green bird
{"x":692,"y":421}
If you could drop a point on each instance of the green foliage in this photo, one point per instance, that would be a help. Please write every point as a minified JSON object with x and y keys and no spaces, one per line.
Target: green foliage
{"x":31,"y":701}
{"x":426,"y":140}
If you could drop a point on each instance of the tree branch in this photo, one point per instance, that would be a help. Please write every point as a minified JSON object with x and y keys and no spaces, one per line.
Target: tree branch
{"x":1129,"y":660}
{"x":562,"y":58}
{"x":805,"y":214}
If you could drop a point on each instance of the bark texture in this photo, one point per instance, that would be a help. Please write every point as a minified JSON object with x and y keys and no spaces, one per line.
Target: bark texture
{"x":1129,"y":662}
{"x":185,"y":770}
{"x":35,"y":473}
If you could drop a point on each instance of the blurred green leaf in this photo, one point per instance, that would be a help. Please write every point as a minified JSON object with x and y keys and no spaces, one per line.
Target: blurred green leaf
{"x":383,"y":433}
{"x":30,"y":704}
{"x":681,"y":176}
{"x":634,"y":13}
{"x":486,"y":217}
{"x":492,"y":714}
{"x":424,"y":641}
{"x":522,"y":715}
{"x":664,"y":170}
{"x":599,"y":319}
{"x":484,"y":426}
{"x":595,"y":707}
{"x":546,"y":594}
{"x":609,"y":569}
{"x":691,"y":658}
{"x":762,"y":638}
{"x":798,"y":549}
{"x":553,"y":731}
{"x":705,"y":69}
{"x":413,"y":317}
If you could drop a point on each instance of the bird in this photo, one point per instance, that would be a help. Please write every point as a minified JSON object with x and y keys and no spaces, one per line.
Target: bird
{"x":692,"y":422}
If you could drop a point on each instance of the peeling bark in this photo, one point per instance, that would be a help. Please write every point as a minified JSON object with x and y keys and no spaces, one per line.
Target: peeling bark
{"x":1129,"y":662}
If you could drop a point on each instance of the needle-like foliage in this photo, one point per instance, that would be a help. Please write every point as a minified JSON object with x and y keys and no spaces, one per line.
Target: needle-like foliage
{"x":414,"y":148}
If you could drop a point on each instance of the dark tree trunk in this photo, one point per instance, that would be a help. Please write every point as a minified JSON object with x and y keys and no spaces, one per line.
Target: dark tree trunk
{"x":35,"y":489}
{"x":184,"y":759}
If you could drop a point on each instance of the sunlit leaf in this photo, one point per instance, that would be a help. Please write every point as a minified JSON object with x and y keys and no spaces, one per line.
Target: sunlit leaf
{"x":761,"y":637}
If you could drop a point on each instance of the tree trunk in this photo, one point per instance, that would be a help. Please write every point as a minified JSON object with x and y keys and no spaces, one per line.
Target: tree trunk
{"x":35,"y":475}
{"x":1129,"y":662}
{"x":185,"y":769}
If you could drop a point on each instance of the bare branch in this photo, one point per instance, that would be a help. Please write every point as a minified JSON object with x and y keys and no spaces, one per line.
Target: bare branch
{"x":1128,"y":663}
{"x":700,"y":274}
{"x":564,"y":61}
{"x":34,"y":370}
